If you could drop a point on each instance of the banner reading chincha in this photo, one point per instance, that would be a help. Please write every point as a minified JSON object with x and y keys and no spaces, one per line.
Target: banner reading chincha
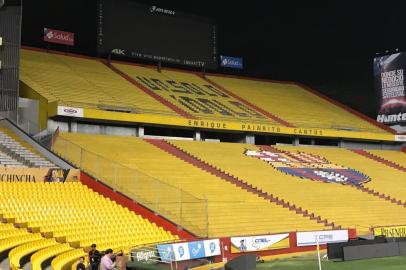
{"x":389,"y":84}
{"x":38,"y":175}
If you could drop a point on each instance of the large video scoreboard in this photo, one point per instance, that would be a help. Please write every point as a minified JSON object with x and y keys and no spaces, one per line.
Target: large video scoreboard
{"x":155,"y":33}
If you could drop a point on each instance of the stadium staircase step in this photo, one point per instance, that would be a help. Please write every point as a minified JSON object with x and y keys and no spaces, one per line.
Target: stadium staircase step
{"x":249,"y":104}
{"x":379,"y":159}
{"x":160,"y":99}
{"x":187,"y":157}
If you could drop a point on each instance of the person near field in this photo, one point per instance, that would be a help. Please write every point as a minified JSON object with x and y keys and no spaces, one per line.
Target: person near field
{"x":81,"y":264}
{"x":94,"y":258}
{"x":106,"y":262}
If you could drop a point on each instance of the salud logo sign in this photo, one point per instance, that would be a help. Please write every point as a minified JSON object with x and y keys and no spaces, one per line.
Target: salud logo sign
{"x":231,"y":62}
{"x":59,"y":37}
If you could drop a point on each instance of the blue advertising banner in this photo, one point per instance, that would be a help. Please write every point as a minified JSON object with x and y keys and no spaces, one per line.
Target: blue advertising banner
{"x":189,"y":250}
{"x":231,"y":62}
{"x":196,"y":250}
{"x":166,"y":252}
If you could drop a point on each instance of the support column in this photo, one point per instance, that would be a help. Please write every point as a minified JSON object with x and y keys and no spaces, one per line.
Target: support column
{"x":197,"y":136}
{"x":73,"y":126}
{"x":140,"y":131}
{"x":250,"y":139}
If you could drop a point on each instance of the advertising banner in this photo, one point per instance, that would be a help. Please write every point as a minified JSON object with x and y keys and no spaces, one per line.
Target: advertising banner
{"x":389,"y":84}
{"x":189,"y":250}
{"x":391,"y":231}
{"x":181,"y":251}
{"x":70,"y":111}
{"x":144,"y":256}
{"x":38,"y":175}
{"x":211,"y":247}
{"x":259,"y":243}
{"x":166,"y":252}
{"x":231,"y":62}
{"x":59,"y":37}
{"x":400,"y":138}
{"x":321,"y":237}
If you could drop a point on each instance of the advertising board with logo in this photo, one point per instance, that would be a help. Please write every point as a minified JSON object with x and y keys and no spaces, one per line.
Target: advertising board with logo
{"x":389,"y":85}
{"x":70,"y":111}
{"x":390,"y":231}
{"x":400,"y":138}
{"x":189,"y":250}
{"x":231,"y":62}
{"x":38,"y":175}
{"x":321,"y":237}
{"x":59,"y":37}
{"x":144,"y":256}
{"x":259,"y":243}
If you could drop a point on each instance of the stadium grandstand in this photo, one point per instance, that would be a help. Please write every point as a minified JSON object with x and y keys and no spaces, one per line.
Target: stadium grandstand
{"x":175,"y":157}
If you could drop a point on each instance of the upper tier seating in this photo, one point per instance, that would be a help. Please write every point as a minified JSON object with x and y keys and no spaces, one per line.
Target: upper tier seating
{"x":82,"y":82}
{"x":294,"y":104}
{"x":88,"y":83}
{"x":230,"y":209}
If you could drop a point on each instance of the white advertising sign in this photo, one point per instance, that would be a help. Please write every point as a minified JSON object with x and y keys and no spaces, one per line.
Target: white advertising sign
{"x":259,"y":242}
{"x":70,"y":111}
{"x":322,"y":237}
{"x":400,"y":138}
{"x":181,"y":251}
{"x":212,"y":247}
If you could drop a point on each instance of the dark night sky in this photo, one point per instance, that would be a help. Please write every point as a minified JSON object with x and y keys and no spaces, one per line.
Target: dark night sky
{"x":328,"y":46}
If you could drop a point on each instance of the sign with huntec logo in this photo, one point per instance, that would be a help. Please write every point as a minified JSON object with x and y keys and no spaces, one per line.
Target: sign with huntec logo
{"x":259,"y":242}
{"x":59,"y":37}
{"x":321,"y":237}
{"x":231,"y":62}
{"x":70,"y":111}
{"x":390,"y":85}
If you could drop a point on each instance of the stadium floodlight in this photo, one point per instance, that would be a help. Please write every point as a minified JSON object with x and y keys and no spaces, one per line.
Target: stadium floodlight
{"x":1,"y":3}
